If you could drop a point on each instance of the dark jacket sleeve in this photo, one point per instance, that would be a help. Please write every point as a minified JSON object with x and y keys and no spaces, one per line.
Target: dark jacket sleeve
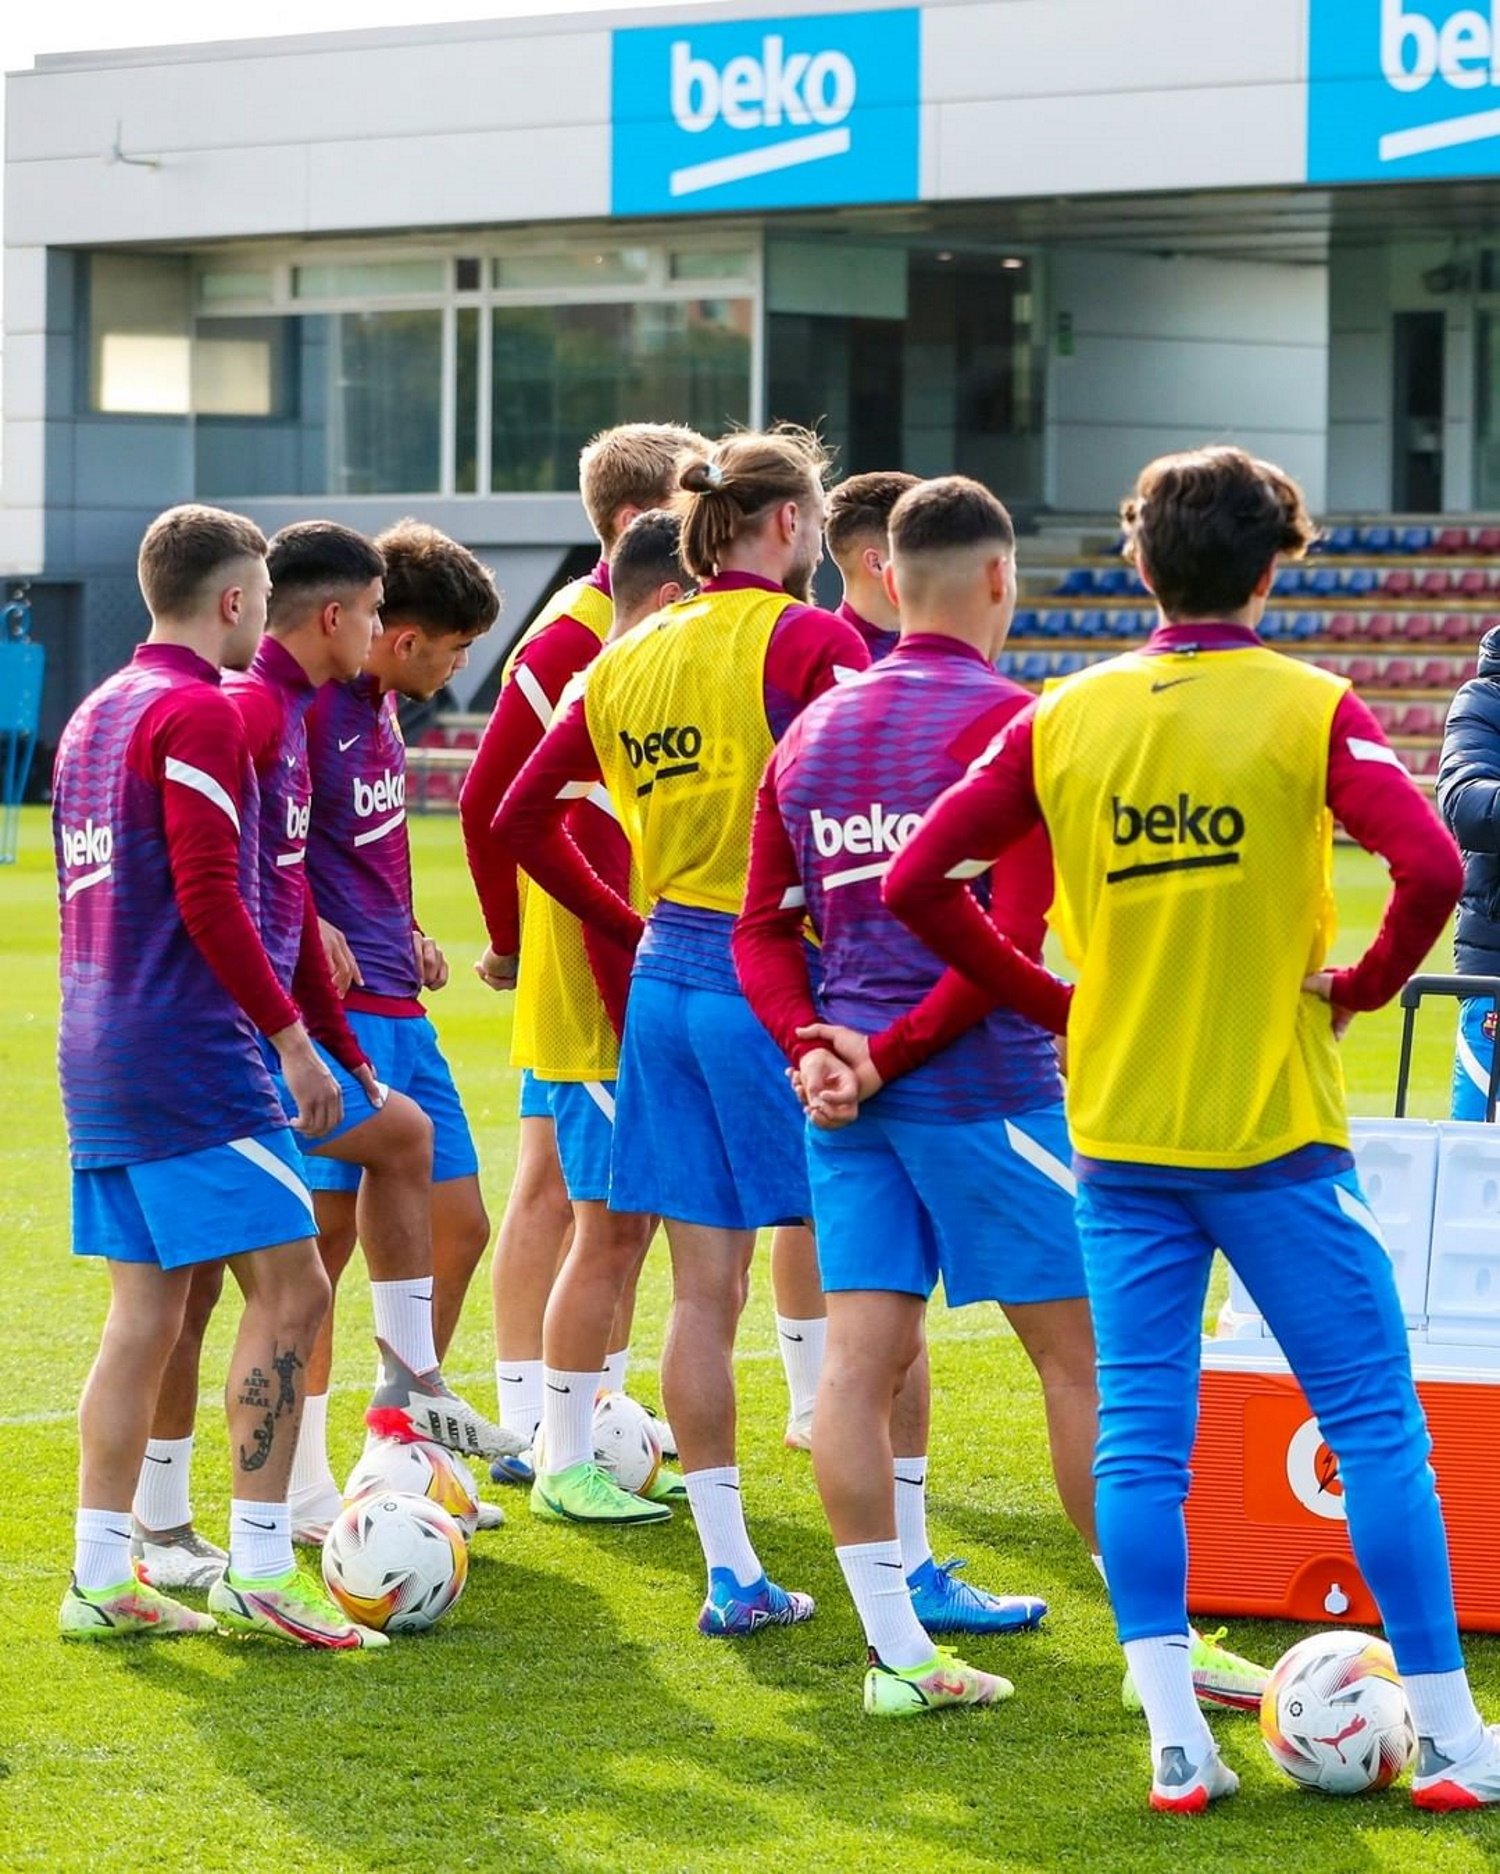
{"x":1468,"y":787}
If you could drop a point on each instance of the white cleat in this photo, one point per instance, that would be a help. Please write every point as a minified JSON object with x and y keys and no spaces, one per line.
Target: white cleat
{"x":176,"y":1558}
{"x":313,"y":1515}
{"x":1445,"y":1786}
{"x":1182,"y":1788}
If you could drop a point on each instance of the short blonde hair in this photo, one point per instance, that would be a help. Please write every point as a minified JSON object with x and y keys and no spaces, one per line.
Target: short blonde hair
{"x":185,"y":548}
{"x":633,"y":465}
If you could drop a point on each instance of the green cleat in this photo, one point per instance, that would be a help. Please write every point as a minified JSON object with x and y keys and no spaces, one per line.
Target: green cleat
{"x":289,"y":1607}
{"x":127,"y":1611}
{"x":584,"y":1493}
{"x":665,"y":1487}
{"x":1220,"y":1678}
{"x":944,"y":1680}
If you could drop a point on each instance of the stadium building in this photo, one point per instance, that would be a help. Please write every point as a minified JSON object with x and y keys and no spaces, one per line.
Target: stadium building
{"x":1035,"y":240}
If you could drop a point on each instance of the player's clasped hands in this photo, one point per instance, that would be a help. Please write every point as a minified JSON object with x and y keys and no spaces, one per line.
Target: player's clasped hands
{"x":832,"y":1079}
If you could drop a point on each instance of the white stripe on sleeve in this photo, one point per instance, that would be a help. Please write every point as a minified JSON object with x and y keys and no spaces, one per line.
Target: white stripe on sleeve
{"x":970,"y":868}
{"x":187,"y":775}
{"x":1363,"y":750}
{"x":531,"y":689}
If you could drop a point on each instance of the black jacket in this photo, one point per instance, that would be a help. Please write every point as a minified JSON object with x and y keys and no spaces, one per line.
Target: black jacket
{"x":1469,"y":796}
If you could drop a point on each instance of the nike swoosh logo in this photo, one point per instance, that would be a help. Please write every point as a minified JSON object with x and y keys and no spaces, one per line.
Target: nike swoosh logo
{"x":786,"y":1336}
{"x":512,"y":1379}
{"x":917,"y":1483}
{"x":552,"y":1388}
{"x":1170,"y":684}
{"x":888,"y":1565}
{"x":426,"y":1297}
{"x":254,"y":1524}
{"x":151,"y":1458}
{"x":344,"y":746}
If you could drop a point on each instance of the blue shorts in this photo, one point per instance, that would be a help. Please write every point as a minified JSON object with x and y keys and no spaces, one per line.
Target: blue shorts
{"x":404,"y":1052}
{"x":988,"y":1205}
{"x":222,"y":1201}
{"x":1473,"y":1056}
{"x":583,"y":1124}
{"x":707,"y":1128}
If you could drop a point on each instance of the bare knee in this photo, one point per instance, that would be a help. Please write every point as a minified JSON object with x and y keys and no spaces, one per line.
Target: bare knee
{"x":401,"y":1140}
{"x":202,"y":1298}
{"x":289,"y":1288}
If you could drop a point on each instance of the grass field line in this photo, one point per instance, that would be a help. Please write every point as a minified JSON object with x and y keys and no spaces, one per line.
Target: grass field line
{"x":51,"y":1415}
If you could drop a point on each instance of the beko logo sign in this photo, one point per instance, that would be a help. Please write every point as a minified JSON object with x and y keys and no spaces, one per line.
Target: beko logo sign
{"x":767,"y":113}
{"x":1402,"y":88}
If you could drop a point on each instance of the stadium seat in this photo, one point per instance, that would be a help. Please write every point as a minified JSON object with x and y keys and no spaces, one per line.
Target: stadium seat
{"x":1414,"y":540}
{"x":1400,"y":673}
{"x":1089,"y":624}
{"x":1025,"y":624}
{"x":1452,"y":540}
{"x":1435,"y":583}
{"x":1422,"y":761}
{"x":1416,"y":626}
{"x":1289,"y":581}
{"x":1033,"y":667}
{"x":1381,"y":626}
{"x":1473,"y":583}
{"x":1114,"y":581}
{"x":1379,"y":539}
{"x":1441,"y":673}
{"x":1339,"y":540}
{"x":1399,"y":583}
{"x":1077,"y":582}
{"x":1305,"y":626}
{"x":1487,"y":540}
{"x":1361,"y":582}
{"x":1321,"y":582}
{"x":1342,"y":626}
{"x":1069,"y":661}
{"x":1465,"y":627}
{"x":1361,"y":672}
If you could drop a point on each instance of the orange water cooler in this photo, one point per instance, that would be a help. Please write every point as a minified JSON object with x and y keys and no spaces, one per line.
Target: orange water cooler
{"x":1266,"y":1519}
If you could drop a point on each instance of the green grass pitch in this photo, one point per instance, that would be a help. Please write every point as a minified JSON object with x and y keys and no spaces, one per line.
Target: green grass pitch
{"x":566,"y":1715}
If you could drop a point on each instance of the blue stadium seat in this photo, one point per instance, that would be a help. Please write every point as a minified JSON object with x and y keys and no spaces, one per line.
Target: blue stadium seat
{"x":1361,"y":581}
{"x":1120,"y":625}
{"x":1321,"y":581}
{"x":1092,"y":624}
{"x":1288,"y":581}
{"x":1414,"y":540}
{"x":1112,"y":581}
{"x":1033,"y":667}
{"x":1270,"y":625}
{"x":1340,"y":540}
{"x":1306,"y":625}
{"x":1077,"y":582}
{"x":1068,"y":662}
{"x":1378,"y":539}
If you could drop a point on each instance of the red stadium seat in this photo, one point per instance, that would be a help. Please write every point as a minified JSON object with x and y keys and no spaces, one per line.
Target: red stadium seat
{"x":1473,"y":583}
{"x":1487,"y":540}
{"x":1465,"y":628}
{"x":1441,"y":673}
{"x":1435,"y":583}
{"x":1419,"y":625}
{"x":1380,"y":626}
{"x":1400,"y":673}
{"x":1361,"y":672}
{"x":1342,"y":626}
{"x":1386,"y":714}
{"x":1452,"y":540}
{"x":1422,"y":761}
{"x":1399,"y":583}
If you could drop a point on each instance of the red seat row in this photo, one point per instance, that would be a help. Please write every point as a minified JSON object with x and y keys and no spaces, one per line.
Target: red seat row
{"x":1411,"y":627}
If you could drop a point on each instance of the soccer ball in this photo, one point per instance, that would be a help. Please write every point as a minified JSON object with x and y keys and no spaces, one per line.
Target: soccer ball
{"x":1334,"y":1715}
{"x":395,"y":1561}
{"x":416,"y":1468}
{"x":626,"y":1444}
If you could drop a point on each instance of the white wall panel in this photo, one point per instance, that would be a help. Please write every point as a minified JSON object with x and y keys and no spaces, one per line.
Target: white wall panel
{"x":494,"y":176}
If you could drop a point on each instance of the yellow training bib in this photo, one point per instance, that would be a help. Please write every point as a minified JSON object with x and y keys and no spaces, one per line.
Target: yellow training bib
{"x":561,"y":1031}
{"x":678,"y":719}
{"x":1186,"y":798}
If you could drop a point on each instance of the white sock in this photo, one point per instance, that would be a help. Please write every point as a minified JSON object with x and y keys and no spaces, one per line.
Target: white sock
{"x":911,"y":1514}
{"x":719,"y":1514}
{"x":260,"y":1539}
{"x":567,"y":1417}
{"x":1163,"y":1674}
{"x":1442,"y":1710}
{"x":403,"y":1320}
{"x":876,"y":1576}
{"x":101,"y":1549}
{"x":801,"y":1344}
{"x":161,"y":1491}
{"x":518,"y":1386}
{"x":614,"y":1370}
{"x":1098,"y":1561}
{"x":312,"y":1475}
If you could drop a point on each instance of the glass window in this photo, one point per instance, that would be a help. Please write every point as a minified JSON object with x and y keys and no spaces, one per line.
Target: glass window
{"x":385,"y":377}
{"x":239,"y":367}
{"x":140,"y":349}
{"x":466,"y":402}
{"x":584,"y":266}
{"x":369,"y":279}
{"x":262,"y":424}
{"x":243,"y":286}
{"x":561,"y":373}
{"x":689,"y":264}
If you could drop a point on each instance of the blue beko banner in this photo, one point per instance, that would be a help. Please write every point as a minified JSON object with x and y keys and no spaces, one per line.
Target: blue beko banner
{"x":767,"y":113}
{"x":1400,"y":89}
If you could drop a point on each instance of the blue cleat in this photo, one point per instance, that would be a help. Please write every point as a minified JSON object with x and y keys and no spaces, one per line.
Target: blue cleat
{"x":732,"y":1610}
{"x":516,"y":1470}
{"x":944,"y":1605}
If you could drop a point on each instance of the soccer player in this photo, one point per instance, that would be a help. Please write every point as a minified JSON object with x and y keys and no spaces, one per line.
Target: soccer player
{"x":1468,"y":789}
{"x":562,"y":1038}
{"x":679,"y":721}
{"x":181,"y":1150}
{"x":437,"y":599}
{"x":855,"y":526}
{"x":959,"y":1168}
{"x":1189,"y":790}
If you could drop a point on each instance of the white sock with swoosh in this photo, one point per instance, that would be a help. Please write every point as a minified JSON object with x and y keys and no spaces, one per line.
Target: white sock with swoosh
{"x":877,"y":1582}
{"x":161,"y":1491}
{"x":260,"y":1540}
